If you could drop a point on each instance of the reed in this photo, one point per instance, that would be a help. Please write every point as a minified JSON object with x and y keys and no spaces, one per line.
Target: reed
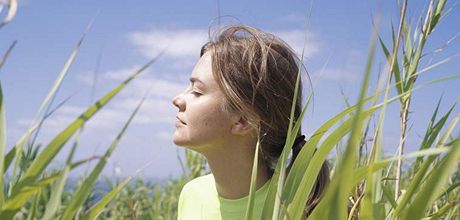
{"x":363,"y":185}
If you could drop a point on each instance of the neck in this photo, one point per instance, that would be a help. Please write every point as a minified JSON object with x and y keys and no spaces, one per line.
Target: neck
{"x":232,"y":169}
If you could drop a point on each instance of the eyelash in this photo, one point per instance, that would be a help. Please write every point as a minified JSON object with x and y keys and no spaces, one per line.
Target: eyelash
{"x":195,"y":93}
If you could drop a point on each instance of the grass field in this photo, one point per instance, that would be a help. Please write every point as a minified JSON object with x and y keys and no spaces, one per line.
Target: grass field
{"x":365,"y":183}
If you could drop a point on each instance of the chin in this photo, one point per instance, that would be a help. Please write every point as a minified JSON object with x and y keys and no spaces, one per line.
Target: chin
{"x":178,"y":140}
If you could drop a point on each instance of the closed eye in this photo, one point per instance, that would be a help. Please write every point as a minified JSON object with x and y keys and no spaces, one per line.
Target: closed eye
{"x":195,"y":93}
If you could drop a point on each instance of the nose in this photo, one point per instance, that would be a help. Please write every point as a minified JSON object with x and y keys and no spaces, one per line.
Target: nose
{"x":179,"y":102}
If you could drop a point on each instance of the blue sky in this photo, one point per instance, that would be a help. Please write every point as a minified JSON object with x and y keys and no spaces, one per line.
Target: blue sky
{"x":126,"y":34}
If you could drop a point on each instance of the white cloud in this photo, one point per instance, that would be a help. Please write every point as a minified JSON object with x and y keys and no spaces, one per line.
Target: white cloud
{"x":113,"y":75}
{"x":178,"y":43}
{"x":85,"y":78}
{"x":156,"y":109}
{"x":337,"y":74}
{"x":342,"y":66}
{"x":186,"y":43}
{"x":164,"y":86}
{"x":297,"y":39}
{"x":158,"y":87}
{"x":153,"y":110}
{"x":121,"y":74}
{"x":294,"y":17}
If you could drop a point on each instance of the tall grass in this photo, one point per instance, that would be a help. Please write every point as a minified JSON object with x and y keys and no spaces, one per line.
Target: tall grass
{"x":371,"y":188}
{"x":29,"y":168}
{"x":363,"y":185}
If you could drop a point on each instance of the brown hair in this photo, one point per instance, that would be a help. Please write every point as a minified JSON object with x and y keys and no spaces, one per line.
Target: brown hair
{"x":257,"y":72}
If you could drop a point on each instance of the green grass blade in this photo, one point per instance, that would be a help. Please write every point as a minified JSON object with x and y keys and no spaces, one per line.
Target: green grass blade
{"x":98,"y":208}
{"x":16,"y":201}
{"x":83,"y":161}
{"x":358,"y":174}
{"x":273,"y":200}
{"x":442,"y":211}
{"x":422,"y":172}
{"x":286,"y":149}
{"x":56,"y":144}
{"x":318,"y":134}
{"x":335,"y":197}
{"x":8,"y":159}
{"x":389,"y":196}
{"x":272,"y":206}
{"x":407,"y":35}
{"x":34,"y":207}
{"x":436,"y":129}
{"x":47,"y":102}
{"x":361,"y":172}
{"x":310,"y":174}
{"x":57,"y":83}
{"x":430,"y":125}
{"x":370,"y":208}
{"x":396,"y":71}
{"x":13,"y":151}
{"x":294,"y":177}
{"x":433,"y":131}
{"x":252,"y":189}
{"x":56,"y":195}
{"x":323,"y":151}
{"x":449,"y":190}
{"x":299,"y":169}
{"x":55,"y":199}
{"x":432,"y":185}
{"x":335,"y":136}
{"x":85,"y":189}
{"x":316,"y":137}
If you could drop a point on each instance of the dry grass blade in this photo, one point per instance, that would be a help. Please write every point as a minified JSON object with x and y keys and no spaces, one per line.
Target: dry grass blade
{"x":7,"y":54}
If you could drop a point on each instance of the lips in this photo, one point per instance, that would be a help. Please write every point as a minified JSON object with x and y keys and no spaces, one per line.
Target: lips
{"x":180,"y":120}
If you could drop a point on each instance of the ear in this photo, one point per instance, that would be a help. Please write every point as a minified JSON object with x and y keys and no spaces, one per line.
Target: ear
{"x":241,"y":126}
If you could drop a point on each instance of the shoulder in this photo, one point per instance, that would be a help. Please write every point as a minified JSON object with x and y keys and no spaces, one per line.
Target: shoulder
{"x":203,"y":186}
{"x":198,"y":199}
{"x":201,"y":183}
{"x":195,"y":187}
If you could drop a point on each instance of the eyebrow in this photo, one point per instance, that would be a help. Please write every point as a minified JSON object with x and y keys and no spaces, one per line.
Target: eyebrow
{"x":194,"y":79}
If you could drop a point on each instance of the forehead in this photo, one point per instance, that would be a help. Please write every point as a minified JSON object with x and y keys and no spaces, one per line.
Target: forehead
{"x":202,"y":73}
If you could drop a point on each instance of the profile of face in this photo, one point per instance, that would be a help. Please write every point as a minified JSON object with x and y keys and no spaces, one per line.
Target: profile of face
{"x":202,"y":121}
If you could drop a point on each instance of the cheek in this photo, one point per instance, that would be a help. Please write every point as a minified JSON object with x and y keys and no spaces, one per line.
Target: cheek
{"x":213,"y":119}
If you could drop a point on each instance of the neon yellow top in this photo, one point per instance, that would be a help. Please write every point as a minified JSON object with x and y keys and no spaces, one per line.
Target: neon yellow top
{"x":199,"y":201}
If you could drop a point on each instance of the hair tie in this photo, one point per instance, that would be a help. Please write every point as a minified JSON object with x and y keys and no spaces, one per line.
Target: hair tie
{"x":298,"y":144}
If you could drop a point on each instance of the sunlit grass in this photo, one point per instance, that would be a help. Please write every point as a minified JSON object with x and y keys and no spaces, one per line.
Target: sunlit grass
{"x":370,"y":188}
{"x":363,"y":185}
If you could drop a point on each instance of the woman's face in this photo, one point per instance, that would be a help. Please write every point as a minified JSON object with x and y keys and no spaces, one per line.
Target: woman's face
{"x":202,"y":121}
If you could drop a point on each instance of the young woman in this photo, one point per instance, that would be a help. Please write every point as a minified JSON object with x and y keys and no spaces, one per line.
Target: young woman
{"x":241,"y":91}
